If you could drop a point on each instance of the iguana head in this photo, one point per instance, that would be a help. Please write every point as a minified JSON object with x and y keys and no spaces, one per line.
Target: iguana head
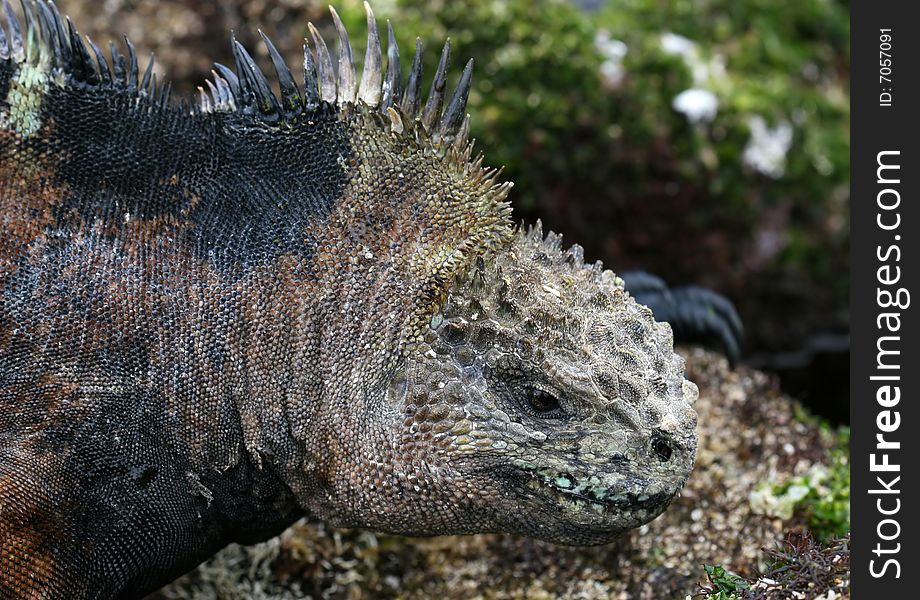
{"x":548,"y":401}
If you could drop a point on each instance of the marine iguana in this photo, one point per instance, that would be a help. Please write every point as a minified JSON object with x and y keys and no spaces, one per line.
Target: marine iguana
{"x":220,"y":316}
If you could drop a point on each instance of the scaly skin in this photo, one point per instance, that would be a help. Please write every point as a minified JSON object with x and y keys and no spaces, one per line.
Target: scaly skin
{"x":216,"y":320}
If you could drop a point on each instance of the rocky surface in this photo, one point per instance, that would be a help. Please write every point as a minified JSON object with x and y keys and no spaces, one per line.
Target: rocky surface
{"x":749,"y":434}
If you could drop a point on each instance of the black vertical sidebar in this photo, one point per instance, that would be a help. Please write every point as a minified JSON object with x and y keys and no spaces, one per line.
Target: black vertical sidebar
{"x":885,"y":366}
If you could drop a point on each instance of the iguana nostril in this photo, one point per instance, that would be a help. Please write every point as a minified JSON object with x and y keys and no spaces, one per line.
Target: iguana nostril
{"x":662,"y":448}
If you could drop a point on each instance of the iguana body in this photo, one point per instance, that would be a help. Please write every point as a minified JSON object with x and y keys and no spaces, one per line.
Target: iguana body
{"x":218,"y":318}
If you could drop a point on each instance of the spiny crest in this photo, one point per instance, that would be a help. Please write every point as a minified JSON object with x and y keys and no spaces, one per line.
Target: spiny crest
{"x":541,"y":260}
{"x":335,"y":81}
{"x":49,"y":40}
{"x":549,"y":248}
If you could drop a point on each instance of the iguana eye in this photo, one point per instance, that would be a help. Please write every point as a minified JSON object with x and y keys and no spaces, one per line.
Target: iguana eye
{"x":542,"y":404}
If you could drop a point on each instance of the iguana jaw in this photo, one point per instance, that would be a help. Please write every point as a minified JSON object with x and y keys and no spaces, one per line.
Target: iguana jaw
{"x":595,"y":501}
{"x":602,"y":500}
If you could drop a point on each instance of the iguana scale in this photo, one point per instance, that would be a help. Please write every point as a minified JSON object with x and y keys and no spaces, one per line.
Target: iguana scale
{"x":217,"y":317}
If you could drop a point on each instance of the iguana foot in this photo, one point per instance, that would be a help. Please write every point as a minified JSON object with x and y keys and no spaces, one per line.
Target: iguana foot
{"x":696,"y":314}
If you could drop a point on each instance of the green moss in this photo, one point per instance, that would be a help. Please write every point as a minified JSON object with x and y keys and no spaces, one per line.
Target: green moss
{"x":828,"y":509}
{"x":820,"y":498}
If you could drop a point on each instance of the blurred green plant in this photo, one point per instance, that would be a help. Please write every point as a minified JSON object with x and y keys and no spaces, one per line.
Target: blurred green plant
{"x":777,"y":232}
{"x":723,"y":584}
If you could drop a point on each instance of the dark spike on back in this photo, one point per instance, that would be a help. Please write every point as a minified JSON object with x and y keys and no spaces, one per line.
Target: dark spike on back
{"x":253,"y":84}
{"x":132,"y":65}
{"x":310,"y":87}
{"x":119,"y":70}
{"x":164,"y":93}
{"x":410,"y":101}
{"x":226,"y":99}
{"x":16,"y":50}
{"x":32,"y":43}
{"x":347,"y":72}
{"x":372,"y":74}
{"x":55,"y":19}
{"x":456,"y":108}
{"x":324,"y":66}
{"x":392,"y":84}
{"x":206,"y":101}
{"x":102,"y":65}
{"x":220,"y":88}
{"x":230,"y":77}
{"x":49,"y":29}
{"x":436,"y":96}
{"x":245,"y":97}
{"x":214,"y":101}
{"x":290,"y":93}
{"x":82,"y":63}
{"x":148,"y":77}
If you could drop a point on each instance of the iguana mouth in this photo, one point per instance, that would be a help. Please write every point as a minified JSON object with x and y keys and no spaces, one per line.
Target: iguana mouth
{"x":590,"y":491}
